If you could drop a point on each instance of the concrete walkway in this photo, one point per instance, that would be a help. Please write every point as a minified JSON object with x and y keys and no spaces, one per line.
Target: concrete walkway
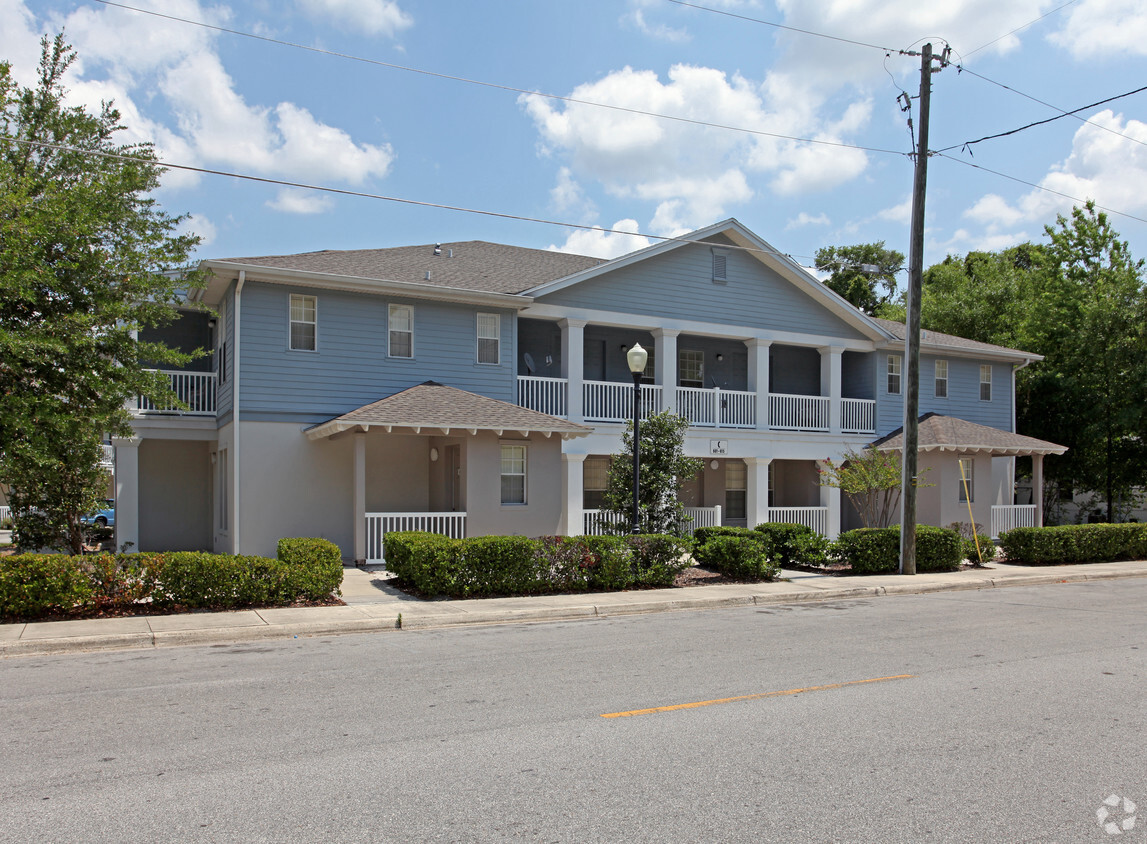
{"x":372,"y":605}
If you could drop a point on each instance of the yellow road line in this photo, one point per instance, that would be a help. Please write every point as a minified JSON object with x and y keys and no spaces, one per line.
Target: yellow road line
{"x":757,"y":696}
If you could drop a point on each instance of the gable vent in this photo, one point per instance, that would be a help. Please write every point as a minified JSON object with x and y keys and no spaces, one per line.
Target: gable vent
{"x":719,"y":267}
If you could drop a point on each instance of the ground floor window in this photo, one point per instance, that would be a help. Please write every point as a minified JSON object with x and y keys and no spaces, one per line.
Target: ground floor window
{"x":596,"y":479}
{"x":967,"y":475}
{"x":513,"y":474}
{"x":736,"y":489}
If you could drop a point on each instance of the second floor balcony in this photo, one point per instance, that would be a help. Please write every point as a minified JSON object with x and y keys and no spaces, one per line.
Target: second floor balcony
{"x":196,"y":393}
{"x":608,"y":401}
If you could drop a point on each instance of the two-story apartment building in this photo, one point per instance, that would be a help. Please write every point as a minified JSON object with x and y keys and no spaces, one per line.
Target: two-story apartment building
{"x":480,"y":388}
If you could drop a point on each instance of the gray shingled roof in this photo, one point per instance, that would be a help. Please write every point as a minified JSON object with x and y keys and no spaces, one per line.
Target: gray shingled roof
{"x":898,"y":330}
{"x":468,"y":265}
{"x":437,"y":407}
{"x":946,"y":433}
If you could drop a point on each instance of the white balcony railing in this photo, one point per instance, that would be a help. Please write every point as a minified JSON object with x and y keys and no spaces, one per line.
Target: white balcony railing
{"x":594,"y":522}
{"x":545,"y":395}
{"x":798,"y":413}
{"x":611,"y":401}
{"x":378,"y":525}
{"x":1005,"y":517}
{"x":107,"y":456}
{"x":857,"y":416}
{"x":717,"y":408}
{"x":194,"y":389}
{"x":813,"y":517}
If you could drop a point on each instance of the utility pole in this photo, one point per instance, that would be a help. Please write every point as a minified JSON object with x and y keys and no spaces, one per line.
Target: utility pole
{"x":912,"y":333}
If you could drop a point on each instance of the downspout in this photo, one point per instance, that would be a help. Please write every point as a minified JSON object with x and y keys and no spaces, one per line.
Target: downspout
{"x":235,"y":463}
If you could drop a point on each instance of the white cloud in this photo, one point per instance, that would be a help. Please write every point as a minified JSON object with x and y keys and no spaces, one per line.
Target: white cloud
{"x":375,"y":17}
{"x":1104,"y":28}
{"x":599,"y":243}
{"x":568,"y":197}
{"x":805,"y":219}
{"x":993,"y":209}
{"x":901,"y":213}
{"x":294,"y":201}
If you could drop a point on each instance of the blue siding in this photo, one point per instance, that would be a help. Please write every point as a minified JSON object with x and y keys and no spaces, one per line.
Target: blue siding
{"x":350,"y":367}
{"x":679,"y":285}
{"x":224,"y":394}
{"x":963,"y":401}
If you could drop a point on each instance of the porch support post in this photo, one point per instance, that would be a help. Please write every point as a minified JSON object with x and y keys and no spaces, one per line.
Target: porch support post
{"x":573,"y":366}
{"x":126,"y":492}
{"x":757,"y":490}
{"x":359,"y":498}
{"x":665,"y":366}
{"x":759,"y":379}
{"x":830,"y":498}
{"x":830,"y":383}
{"x":1037,"y":488}
{"x":573,"y":481}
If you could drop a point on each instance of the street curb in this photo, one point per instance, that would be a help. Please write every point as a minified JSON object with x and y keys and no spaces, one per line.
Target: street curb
{"x":240,"y":635}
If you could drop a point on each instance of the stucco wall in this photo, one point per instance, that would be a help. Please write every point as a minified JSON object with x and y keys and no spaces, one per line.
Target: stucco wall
{"x":485,"y":514}
{"x":174,"y":495}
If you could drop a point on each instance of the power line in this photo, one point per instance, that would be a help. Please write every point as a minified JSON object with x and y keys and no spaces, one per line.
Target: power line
{"x":1025,"y":26}
{"x":496,"y":86}
{"x":1074,"y":199}
{"x":1071,"y":113}
{"x":383,"y":197}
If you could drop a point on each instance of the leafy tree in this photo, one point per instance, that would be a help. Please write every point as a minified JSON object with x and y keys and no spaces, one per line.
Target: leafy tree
{"x":1080,"y":301}
{"x":870,"y":479}
{"x":84,"y":265}
{"x":867,"y":289}
{"x":663,"y":472}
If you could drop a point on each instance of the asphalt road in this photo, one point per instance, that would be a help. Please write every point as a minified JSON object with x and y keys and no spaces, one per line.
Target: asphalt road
{"x":1024,"y":711}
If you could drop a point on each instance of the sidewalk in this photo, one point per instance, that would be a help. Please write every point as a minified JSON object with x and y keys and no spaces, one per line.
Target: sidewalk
{"x":372,"y":606}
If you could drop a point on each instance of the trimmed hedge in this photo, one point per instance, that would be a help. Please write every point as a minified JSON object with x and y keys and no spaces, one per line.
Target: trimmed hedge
{"x":482,"y":566}
{"x":1099,"y":543}
{"x":875,"y":550}
{"x":792,"y":544}
{"x":38,"y":585}
{"x":745,"y":557}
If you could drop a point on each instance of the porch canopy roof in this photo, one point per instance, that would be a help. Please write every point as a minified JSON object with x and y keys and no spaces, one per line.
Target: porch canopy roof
{"x":431,"y":407}
{"x":946,"y":433}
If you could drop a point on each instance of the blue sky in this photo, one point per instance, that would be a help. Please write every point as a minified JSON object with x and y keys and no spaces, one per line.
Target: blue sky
{"x":223,"y":101}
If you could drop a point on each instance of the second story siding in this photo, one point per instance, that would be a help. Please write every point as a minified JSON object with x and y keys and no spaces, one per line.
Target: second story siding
{"x":963,"y":387}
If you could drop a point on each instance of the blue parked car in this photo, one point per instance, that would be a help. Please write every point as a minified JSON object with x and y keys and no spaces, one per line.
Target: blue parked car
{"x":104,"y":517}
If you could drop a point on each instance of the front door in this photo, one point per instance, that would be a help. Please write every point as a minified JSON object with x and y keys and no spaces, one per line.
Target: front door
{"x":454,"y":464}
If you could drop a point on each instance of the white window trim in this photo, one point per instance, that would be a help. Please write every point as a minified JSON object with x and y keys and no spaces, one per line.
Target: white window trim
{"x":899,"y":373}
{"x":479,"y":338}
{"x":389,"y":317}
{"x":291,"y":322}
{"x":970,"y":462}
{"x":936,"y":386}
{"x":525,"y":446}
{"x":988,"y":367}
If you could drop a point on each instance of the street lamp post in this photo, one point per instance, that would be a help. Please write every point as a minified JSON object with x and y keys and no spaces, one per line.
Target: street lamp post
{"x":636,"y":358}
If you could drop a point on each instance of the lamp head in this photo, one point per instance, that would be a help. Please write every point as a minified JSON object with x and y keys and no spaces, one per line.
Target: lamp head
{"x":637,"y":357}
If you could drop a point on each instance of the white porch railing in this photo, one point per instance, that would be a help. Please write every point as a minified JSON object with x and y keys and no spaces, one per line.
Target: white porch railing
{"x":545,"y":395}
{"x":1005,"y":517}
{"x":813,"y":517}
{"x":717,"y":408}
{"x":5,"y":512}
{"x":858,"y":416}
{"x":612,"y":401}
{"x":107,"y":460}
{"x":594,"y":522}
{"x":798,"y":413}
{"x":195,"y":389}
{"x":378,"y":525}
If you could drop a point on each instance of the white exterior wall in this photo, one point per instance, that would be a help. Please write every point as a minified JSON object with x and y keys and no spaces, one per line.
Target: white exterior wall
{"x":175,"y":495}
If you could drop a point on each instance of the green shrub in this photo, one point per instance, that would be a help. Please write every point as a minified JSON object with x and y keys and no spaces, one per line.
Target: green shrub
{"x":791,"y":544}
{"x":702,"y":534}
{"x":1097,"y":543}
{"x":120,"y":580}
{"x":423,"y":560}
{"x":987,"y":549}
{"x":315,"y":567}
{"x":566,"y":561}
{"x":742,"y":557}
{"x":499,"y":565}
{"x":35,"y":585}
{"x":609,"y":560}
{"x":875,"y":550}
{"x":657,"y":558}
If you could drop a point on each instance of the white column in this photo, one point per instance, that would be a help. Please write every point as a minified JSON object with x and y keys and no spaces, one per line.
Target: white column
{"x":830,"y":498}
{"x":359,"y":498}
{"x":573,"y":365}
{"x":665,"y":366}
{"x":759,"y":379}
{"x":757,"y":490}
{"x":573,"y":480}
{"x":830,"y":383}
{"x":126,"y":492}
{"x":1037,"y":488}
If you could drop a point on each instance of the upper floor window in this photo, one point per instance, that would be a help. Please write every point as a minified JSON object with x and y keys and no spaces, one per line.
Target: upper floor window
{"x":513,"y":474}
{"x":967,"y":480}
{"x":489,"y":338}
{"x":690,"y":368}
{"x":894,"y":365}
{"x":986,"y":382}
{"x":941,"y":379}
{"x":401,"y":327}
{"x":304,"y":323}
